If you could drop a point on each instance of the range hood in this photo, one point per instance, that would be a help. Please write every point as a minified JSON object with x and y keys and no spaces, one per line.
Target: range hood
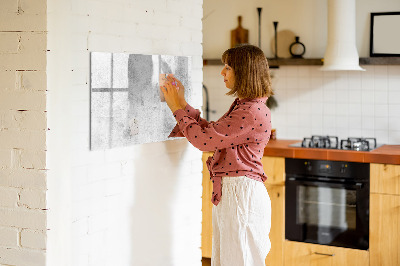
{"x":341,"y":51}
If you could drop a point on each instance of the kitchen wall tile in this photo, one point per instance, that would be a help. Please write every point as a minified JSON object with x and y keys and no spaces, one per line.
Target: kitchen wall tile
{"x":317,"y":108}
{"x":394,"y":71}
{"x":394,"y":82}
{"x":329,"y":122}
{"x":367,"y":82}
{"x":342,"y":80}
{"x":317,"y":121}
{"x":305,"y":95}
{"x":329,"y":109}
{"x":354,"y":80}
{"x":355,"y":96}
{"x":316,"y":82}
{"x":394,"y":97}
{"x":317,"y":95}
{"x":342,"y":122}
{"x":367,"y":96}
{"x":368,"y":122}
{"x":342,"y":96}
{"x":328,"y":74}
{"x":342,"y":109}
{"x":394,"y":123}
{"x":354,"y":122}
{"x":317,"y":131}
{"x":394,"y":110}
{"x":293,"y":120}
{"x":304,"y":72}
{"x":315,"y":72}
{"x":367,"y":110}
{"x":367,"y":133}
{"x":381,"y":136}
{"x":291,"y":71}
{"x":329,"y":93}
{"x":381,"y":110}
{"x":303,"y":82}
{"x":394,"y":137}
{"x":355,"y":109}
{"x":342,"y":133}
{"x":380,"y":84}
{"x":292,"y":83}
{"x":366,"y":99}
{"x":304,"y":109}
{"x":380,"y":71}
{"x":381,"y":97}
{"x":381,"y":123}
{"x":278,"y":71}
{"x":355,"y":132}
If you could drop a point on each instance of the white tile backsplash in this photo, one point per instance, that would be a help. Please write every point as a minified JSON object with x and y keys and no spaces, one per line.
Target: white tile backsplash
{"x":343,"y":103}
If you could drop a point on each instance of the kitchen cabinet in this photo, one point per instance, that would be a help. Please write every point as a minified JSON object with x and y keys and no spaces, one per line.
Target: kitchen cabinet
{"x":274,"y":168}
{"x":385,"y":215}
{"x":206,"y":225}
{"x":385,"y":178}
{"x":305,"y":254}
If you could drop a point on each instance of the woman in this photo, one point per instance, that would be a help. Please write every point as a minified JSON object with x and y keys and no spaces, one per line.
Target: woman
{"x":242,"y":209}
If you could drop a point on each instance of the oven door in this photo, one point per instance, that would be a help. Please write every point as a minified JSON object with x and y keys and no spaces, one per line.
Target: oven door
{"x":327,"y":213}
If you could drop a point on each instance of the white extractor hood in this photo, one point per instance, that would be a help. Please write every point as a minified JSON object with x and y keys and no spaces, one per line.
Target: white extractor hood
{"x":341,"y":51}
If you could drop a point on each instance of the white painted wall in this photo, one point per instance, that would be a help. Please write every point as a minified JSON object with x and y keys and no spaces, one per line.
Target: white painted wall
{"x":305,"y":18}
{"x":344,"y":103}
{"x":23,"y":133}
{"x":138,"y":205}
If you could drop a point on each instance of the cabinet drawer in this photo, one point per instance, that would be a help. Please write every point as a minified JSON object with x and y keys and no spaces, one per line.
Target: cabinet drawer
{"x":304,"y":254}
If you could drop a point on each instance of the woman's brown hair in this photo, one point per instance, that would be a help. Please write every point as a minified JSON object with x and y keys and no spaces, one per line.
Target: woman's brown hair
{"x":250,"y":66}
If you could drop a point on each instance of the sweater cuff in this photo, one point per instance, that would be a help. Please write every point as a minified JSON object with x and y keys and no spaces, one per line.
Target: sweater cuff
{"x":176,"y":132}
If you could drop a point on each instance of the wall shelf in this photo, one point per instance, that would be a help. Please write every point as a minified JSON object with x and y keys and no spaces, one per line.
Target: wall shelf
{"x":274,"y":63}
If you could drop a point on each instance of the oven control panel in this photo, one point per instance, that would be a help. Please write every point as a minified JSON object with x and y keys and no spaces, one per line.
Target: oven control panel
{"x":337,"y":169}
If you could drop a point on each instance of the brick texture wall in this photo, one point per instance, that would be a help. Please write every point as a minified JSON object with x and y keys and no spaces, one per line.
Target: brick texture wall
{"x":138,"y":205}
{"x":60,"y":203}
{"x":23,"y":121}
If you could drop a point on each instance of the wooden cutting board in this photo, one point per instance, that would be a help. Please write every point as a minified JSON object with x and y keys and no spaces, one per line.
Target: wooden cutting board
{"x":239,"y":35}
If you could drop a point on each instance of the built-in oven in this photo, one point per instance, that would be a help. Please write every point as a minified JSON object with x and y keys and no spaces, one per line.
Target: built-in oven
{"x":327,"y":202}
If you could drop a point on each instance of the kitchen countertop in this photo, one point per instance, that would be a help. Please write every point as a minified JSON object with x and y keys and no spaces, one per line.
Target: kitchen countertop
{"x":389,"y":154}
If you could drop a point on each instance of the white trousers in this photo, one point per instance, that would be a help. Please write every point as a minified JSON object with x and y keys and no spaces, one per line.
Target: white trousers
{"x":241,"y":223}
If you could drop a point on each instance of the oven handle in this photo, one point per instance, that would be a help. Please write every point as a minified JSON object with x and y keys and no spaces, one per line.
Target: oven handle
{"x":357,"y":185}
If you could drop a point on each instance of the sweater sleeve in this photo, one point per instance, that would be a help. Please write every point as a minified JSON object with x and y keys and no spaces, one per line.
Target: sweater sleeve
{"x":228,"y":132}
{"x":193,"y":113}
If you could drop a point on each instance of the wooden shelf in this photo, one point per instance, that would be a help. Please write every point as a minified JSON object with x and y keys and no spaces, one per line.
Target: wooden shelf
{"x":274,"y":63}
{"x":380,"y":61}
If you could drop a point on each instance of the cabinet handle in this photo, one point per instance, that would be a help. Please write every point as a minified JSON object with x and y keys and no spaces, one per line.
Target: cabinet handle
{"x":324,"y":254}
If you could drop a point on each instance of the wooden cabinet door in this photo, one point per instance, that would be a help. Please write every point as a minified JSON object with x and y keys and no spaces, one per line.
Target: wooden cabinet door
{"x":384,"y":236}
{"x":206,"y":226}
{"x":274,"y":168}
{"x":385,"y":178}
{"x":277,"y":233}
{"x":304,"y":254}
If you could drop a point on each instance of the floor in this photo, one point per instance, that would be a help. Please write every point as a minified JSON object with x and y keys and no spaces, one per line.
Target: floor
{"x":206,"y":261}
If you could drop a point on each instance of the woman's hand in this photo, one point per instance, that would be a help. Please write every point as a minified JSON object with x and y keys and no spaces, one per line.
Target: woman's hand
{"x":181,"y":91}
{"x":171,"y":94}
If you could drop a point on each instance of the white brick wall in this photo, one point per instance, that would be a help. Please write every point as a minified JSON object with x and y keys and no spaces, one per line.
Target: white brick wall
{"x":23,"y":132}
{"x":138,"y":205}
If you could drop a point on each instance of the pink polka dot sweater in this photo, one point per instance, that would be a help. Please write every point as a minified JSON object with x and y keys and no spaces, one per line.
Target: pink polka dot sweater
{"x":238,"y":139}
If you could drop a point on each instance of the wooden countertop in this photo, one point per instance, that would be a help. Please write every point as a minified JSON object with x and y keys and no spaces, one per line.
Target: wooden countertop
{"x":389,"y":154}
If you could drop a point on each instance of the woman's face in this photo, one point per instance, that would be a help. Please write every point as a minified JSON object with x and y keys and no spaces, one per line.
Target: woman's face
{"x":229,"y":76}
